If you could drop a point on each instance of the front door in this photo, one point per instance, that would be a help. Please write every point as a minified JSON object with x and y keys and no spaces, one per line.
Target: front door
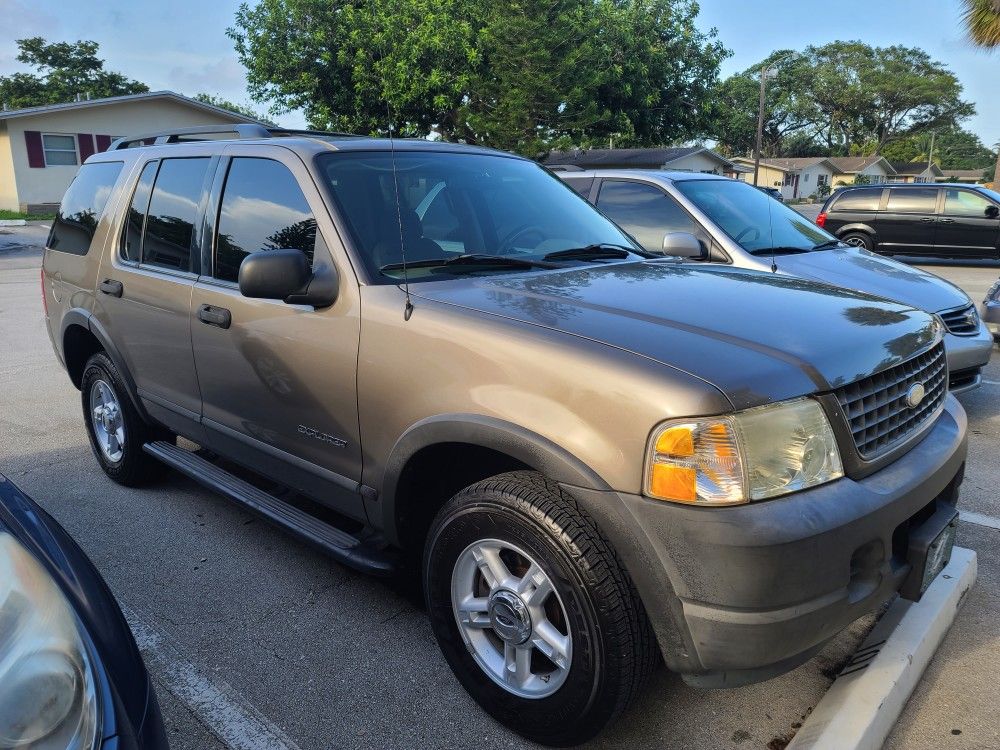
{"x":145,"y":285}
{"x":968,"y":224}
{"x":278,"y":382}
{"x":907,"y":223}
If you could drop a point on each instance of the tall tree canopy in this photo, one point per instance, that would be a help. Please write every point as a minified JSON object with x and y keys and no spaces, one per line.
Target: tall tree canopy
{"x":65,"y":70}
{"x":848,"y":96}
{"x":954,"y":148}
{"x":527,"y":75}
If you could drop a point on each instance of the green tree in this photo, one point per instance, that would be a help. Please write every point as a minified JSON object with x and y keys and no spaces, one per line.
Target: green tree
{"x":849,"y":96}
{"x":218,"y":101}
{"x":955,"y":148}
{"x":65,"y":71}
{"x":525,"y":76}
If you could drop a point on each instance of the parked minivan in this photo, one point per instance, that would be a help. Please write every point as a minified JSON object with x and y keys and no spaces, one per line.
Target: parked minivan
{"x":595,"y":459}
{"x":712,"y":219}
{"x":940,"y":220}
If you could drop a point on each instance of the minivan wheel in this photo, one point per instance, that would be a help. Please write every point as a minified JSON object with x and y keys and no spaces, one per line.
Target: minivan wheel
{"x":533,"y":610}
{"x":859,"y":239}
{"x":115,"y":429}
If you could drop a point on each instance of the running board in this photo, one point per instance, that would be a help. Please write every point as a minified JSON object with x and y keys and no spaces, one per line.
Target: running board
{"x":340,"y":545}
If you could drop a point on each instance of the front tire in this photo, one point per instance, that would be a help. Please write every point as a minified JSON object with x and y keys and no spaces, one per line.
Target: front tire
{"x":116,"y":430}
{"x":533,"y":610}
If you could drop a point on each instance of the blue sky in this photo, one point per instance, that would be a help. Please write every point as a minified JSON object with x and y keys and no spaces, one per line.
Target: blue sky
{"x":182,"y":46}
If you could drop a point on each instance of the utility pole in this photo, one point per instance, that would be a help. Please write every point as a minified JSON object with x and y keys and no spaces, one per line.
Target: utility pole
{"x":930,"y":156}
{"x":760,"y":126}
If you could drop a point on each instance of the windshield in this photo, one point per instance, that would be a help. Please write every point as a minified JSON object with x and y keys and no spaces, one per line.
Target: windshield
{"x":455,"y":204}
{"x":752,"y":218}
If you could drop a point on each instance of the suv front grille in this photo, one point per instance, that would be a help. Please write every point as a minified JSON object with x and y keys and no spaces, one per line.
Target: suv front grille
{"x":963,"y":322}
{"x":876,"y":407}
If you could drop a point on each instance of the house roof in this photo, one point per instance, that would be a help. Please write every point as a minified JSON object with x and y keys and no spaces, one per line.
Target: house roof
{"x":87,"y":103}
{"x":854,"y":164}
{"x":963,"y":174}
{"x":629,"y":157}
{"x":789,"y":164}
{"x":914,"y":167}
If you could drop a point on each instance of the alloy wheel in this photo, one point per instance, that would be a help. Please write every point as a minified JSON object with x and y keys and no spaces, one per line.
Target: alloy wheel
{"x":107,"y":420}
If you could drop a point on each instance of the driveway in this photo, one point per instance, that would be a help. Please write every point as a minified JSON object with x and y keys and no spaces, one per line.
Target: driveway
{"x":256,"y":641}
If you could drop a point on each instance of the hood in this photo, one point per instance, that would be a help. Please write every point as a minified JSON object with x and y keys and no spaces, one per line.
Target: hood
{"x":757,"y":336}
{"x":867,"y":272}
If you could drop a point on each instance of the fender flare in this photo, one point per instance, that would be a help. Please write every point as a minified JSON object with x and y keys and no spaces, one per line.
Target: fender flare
{"x":85,"y":319}
{"x":858,"y":227}
{"x":528,"y":447}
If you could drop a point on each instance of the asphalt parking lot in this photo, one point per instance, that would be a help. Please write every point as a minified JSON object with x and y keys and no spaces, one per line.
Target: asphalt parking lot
{"x":256,"y":641}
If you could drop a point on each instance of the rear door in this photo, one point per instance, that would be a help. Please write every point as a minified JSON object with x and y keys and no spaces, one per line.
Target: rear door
{"x":278,"y":383}
{"x":908,"y":220}
{"x":968,"y":224}
{"x":145,"y":283}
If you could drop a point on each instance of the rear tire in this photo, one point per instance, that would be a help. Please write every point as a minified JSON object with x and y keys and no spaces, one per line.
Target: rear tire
{"x":860,"y":240}
{"x":531,"y":576}
{"x":115,"y":428}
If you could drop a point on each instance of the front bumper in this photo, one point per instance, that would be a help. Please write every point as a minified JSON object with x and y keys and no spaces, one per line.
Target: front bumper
{"x":741,"y":594}
{"x":967,"y":355}
{"x":989,"y":311}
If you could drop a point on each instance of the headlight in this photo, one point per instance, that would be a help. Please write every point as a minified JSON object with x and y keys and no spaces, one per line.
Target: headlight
{"x":47,"y":694}
{"x":751,"y":455}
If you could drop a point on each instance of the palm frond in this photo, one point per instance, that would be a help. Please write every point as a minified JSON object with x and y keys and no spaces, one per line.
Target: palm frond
{"x":982,"y":20}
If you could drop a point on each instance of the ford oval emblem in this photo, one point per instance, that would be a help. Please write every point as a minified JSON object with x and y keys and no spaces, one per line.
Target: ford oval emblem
{"x":915,"y":395}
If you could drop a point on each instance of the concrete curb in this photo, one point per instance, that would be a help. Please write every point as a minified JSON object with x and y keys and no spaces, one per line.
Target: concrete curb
{"x":12,"y":222}
{"x":863,"y":703}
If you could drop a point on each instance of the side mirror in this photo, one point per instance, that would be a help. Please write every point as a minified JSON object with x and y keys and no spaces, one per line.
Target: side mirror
{"x":683,"y":244}
{"x":992,"y":212}
{"x":284,"y":274}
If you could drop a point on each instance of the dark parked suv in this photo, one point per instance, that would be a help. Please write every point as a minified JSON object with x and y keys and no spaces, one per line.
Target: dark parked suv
{"x":440,"y":358}
{"x":950,"y":221}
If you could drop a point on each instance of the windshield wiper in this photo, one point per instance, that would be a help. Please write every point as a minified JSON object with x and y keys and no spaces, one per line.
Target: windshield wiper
{"x":780,"y":250}
{"x":828,"y":244}
{"x":470,"y":261}
{"x":597,"y":251}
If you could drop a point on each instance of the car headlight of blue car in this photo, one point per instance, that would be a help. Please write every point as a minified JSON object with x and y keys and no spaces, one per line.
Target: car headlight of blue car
{"x":48,"y":698}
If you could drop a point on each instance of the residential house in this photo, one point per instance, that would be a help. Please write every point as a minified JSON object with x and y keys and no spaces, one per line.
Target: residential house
{"x":962,"y":175}
{"x":915,"y":171}
{"x":795,"y":177}
{"x":41,"y":148}
{"x":682,"y":158}
{"x":852,"y":169}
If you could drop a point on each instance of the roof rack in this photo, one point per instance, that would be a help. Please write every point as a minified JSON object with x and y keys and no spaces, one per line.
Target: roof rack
{"x":242,"y":131}
{"x":564,"y":168}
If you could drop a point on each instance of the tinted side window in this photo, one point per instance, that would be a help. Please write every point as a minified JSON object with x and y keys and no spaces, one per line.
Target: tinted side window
{"x":915,"y":201}
{"x":865,"y":199}
{"x":263,"y":208}
{"x":581,"y":185}
{"x":82,"y":207}
{"x":644,"y":211}
{"x":966,"y":203}
{"x":173,"y":208}
{"x":132,"y":240}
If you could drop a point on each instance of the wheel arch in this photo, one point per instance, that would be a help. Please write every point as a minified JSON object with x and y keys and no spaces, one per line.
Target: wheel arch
{"x":438,"y":456}
{"x":858,"y":227}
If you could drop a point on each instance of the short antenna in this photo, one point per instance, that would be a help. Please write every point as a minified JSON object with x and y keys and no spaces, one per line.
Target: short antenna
{"x":408,"y":307}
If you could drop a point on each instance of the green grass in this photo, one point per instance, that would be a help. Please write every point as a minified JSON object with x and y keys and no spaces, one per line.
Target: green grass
{"x":5,"y":214}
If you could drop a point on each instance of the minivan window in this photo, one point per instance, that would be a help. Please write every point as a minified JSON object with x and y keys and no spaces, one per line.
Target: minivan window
{"x":263,"y":208}
{"x":132,"y":240}
{"x":505,"y":206}
{"x":967,"y":203}
{"x":82,"y":206}
{"x":862,"y":199}
{"x":582,"y":185}
{"x":173,"y":208}
{"x":912,"y":201}
{"x":644,"y":211}
{"x":754,"y":220}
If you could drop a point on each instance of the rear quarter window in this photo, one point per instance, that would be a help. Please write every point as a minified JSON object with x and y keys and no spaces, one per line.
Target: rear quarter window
{"x":82,"y":206}
{"x":858,"y":200}
{"x":581,"y":185}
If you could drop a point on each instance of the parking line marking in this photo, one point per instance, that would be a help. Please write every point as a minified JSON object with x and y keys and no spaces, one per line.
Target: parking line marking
{"x":979,"y":519}
{"x":236,"y":723}
{"x":990,"y":382}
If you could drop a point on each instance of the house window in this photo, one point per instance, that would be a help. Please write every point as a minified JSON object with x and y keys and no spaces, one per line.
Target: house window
{"x":60,"y":150}
{"x":789,"y":179}
{"x":822,"y":179}
{"x":805,"y":177}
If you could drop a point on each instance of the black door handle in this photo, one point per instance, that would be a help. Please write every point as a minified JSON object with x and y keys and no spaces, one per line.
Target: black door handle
{"x":111,"y":286}
{"x":215,"y":316}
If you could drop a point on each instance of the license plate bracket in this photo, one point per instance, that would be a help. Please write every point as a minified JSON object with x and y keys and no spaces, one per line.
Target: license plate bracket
{"x":930,"y":551}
